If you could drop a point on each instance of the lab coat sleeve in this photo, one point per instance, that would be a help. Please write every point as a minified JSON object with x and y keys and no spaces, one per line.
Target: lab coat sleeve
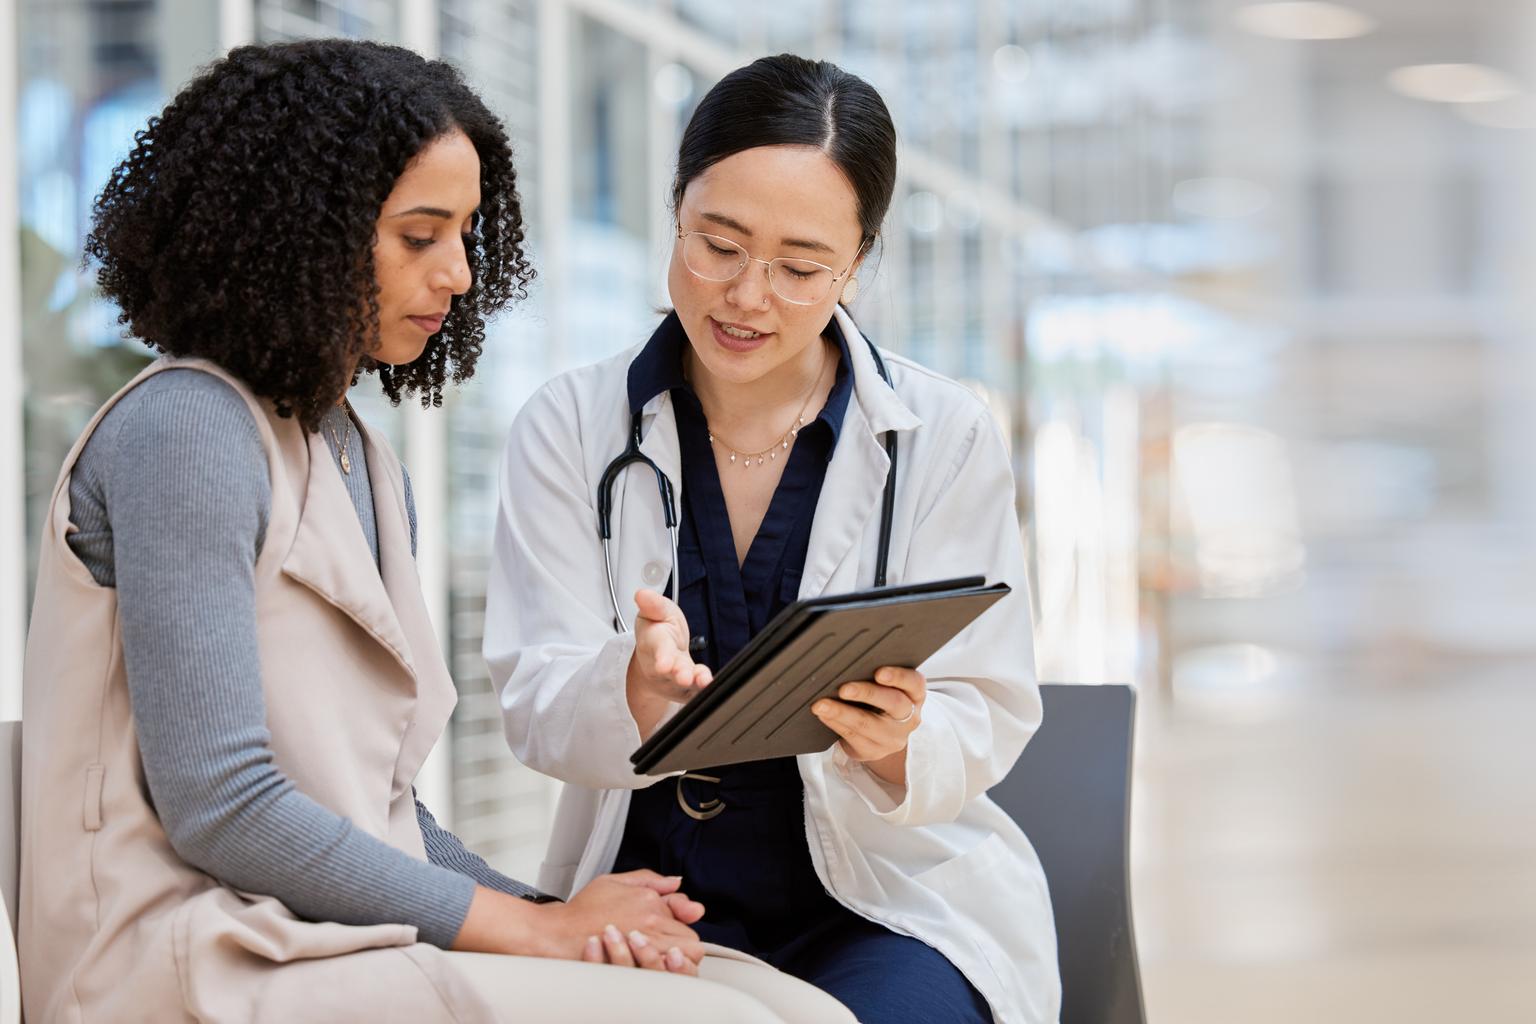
{"x":550,"y":644}
{"x":983,"y":701}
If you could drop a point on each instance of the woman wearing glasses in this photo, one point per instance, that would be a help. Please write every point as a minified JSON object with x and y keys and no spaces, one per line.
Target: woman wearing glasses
{"x":877,"y":870}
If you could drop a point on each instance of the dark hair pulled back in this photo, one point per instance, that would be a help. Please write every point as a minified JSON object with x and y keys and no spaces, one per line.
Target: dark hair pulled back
{"x":788,"y":100}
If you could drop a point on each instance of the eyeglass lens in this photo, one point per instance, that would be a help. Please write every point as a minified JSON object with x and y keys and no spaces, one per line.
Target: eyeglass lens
{"x":801,"y":282}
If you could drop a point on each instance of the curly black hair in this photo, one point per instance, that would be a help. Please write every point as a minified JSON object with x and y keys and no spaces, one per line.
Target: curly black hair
{"x":241,"y":226}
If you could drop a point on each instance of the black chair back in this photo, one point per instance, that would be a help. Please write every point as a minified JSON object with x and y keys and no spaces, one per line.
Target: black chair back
{"x":1071,"y":794}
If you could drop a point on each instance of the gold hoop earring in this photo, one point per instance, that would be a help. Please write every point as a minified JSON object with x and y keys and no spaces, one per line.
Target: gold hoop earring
{"x":850,"y":290}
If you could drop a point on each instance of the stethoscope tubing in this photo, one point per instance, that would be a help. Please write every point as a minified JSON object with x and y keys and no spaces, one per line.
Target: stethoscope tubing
{"x":632,"y":454}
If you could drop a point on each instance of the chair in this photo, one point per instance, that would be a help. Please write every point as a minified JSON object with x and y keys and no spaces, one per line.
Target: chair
{"x":1070,"y":793}
{"x":10,"y":866}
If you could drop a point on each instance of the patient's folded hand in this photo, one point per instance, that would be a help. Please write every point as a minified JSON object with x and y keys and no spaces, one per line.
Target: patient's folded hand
{"x":635,"y":919}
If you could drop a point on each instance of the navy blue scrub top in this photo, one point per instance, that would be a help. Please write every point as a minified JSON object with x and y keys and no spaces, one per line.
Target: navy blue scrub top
{"x":750,"y":865}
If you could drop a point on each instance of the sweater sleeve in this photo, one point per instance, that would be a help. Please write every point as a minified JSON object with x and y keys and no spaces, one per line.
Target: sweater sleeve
{"x":447,"y":850}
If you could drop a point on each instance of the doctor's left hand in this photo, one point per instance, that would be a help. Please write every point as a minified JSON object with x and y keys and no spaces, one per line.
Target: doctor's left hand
{"x":878,"y":738}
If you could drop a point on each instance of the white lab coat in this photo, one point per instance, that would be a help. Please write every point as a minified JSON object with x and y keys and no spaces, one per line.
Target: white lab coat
{"x":938,"y":860}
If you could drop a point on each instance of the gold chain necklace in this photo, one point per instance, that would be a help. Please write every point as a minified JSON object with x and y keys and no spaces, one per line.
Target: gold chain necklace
{"x":342,"y":441}
{"x":783,"y":443}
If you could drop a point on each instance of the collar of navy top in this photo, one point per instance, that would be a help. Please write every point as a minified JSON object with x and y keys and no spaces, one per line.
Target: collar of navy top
{"x":875,"y":407}
{"x":658,"y":368}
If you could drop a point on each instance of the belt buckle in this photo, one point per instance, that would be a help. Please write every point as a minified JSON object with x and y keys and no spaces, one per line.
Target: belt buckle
{"x":708,"y":808}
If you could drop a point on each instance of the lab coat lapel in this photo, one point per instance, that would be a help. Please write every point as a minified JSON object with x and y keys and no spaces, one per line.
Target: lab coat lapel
{"x":640,"y":533}
{"x":855,"y":482}
{"x":850,"y":497}
{"x":658,"y":440}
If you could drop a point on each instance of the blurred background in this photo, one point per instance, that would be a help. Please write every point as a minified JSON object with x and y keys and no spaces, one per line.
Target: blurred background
{"x":1248,"y":285}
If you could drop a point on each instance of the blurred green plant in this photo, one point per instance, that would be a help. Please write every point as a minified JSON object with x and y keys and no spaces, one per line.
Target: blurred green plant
{"x":68,"y":372}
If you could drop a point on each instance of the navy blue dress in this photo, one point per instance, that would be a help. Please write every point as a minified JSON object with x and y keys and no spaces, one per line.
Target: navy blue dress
{"x":750,"y":864}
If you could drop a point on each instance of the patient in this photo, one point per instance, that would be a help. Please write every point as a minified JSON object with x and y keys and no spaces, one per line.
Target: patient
{"x":231,"y":676}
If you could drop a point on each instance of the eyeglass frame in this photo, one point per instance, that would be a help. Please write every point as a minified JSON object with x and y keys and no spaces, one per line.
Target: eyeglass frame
{"x":682,"y":236}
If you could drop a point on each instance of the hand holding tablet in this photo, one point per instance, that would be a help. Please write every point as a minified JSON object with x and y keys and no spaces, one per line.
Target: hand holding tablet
{"x":759,"y":705}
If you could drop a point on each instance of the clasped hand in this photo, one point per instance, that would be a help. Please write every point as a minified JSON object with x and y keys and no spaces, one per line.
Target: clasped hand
{"x":635,"y":919}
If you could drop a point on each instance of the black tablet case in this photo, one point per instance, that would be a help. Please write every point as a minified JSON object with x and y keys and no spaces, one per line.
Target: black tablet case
{"x":758,"y":705}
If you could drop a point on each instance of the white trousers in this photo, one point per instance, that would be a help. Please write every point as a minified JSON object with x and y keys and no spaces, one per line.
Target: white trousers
{"x":732,"y":988}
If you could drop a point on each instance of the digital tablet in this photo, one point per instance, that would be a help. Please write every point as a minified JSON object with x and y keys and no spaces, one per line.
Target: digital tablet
{"x":759,"y":704}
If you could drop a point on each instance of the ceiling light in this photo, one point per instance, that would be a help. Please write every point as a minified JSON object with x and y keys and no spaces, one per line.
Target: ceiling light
{"x":1453,"y":83}
{"x":1304,"y":21}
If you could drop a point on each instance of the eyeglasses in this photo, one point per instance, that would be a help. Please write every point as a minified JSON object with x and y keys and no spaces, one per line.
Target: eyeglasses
{"x":800,"y":282}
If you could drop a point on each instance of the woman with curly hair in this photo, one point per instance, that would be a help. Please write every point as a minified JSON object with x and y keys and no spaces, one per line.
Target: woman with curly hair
{"x":231,"y":677}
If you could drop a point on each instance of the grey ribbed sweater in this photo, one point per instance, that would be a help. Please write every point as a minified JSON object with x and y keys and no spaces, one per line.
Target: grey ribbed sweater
{"x":171,"y":497}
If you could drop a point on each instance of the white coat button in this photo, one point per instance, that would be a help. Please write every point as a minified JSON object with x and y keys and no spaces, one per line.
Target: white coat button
{"x":654,"y":573}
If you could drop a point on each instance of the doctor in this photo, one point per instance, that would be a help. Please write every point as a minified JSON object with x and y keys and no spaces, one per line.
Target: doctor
{"x":760,"y":424}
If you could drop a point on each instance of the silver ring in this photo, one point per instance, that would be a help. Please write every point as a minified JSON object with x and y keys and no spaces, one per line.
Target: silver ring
{"x":910,"y":712}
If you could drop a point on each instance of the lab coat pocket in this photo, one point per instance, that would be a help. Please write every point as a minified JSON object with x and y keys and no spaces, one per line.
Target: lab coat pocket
{"x":965,"y":870}
{"x":994,"y":905}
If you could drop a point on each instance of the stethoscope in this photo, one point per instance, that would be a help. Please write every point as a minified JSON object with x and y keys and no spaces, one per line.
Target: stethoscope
{"x":632,"y":455}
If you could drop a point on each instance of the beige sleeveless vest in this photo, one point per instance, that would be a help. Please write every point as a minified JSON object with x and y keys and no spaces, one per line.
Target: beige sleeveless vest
{"x":113,"y":925}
